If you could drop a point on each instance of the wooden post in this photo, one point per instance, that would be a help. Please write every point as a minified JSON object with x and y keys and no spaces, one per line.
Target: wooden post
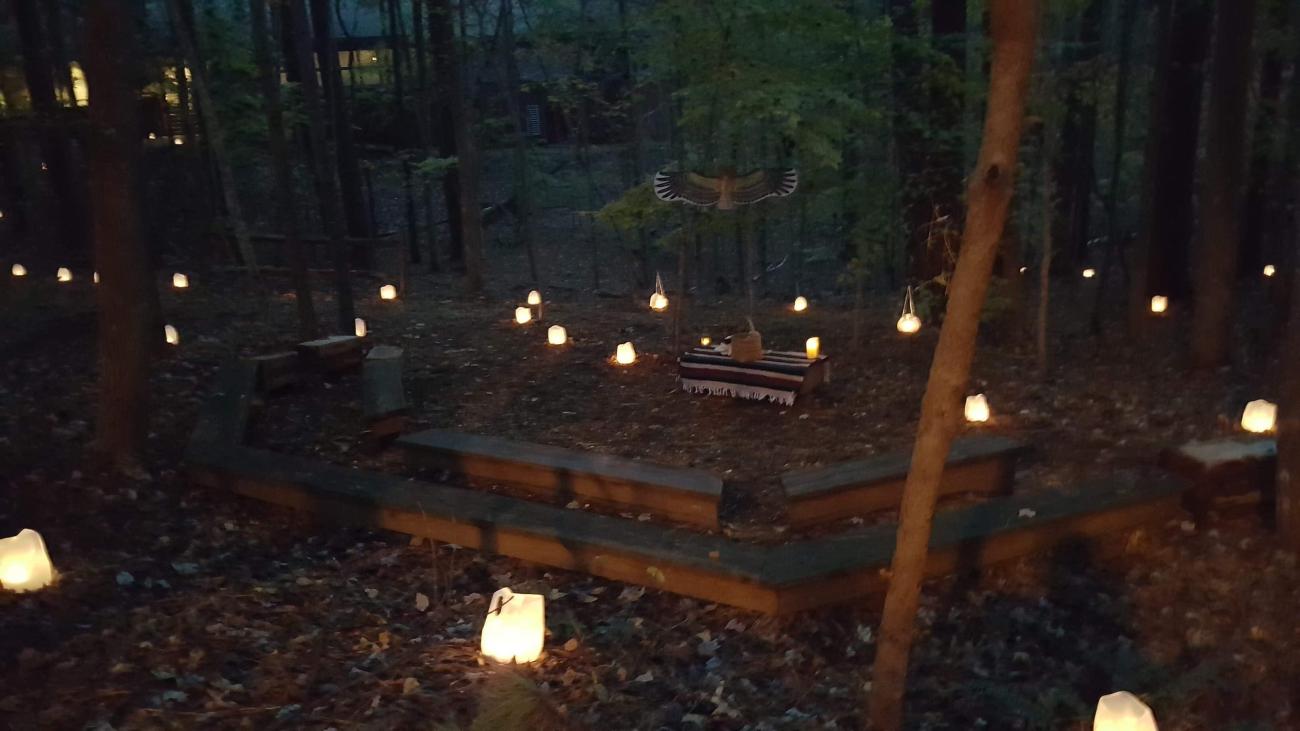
{"x":1013,"y":26}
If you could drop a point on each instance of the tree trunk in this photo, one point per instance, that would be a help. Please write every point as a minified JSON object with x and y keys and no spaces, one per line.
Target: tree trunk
{"x":324,"y":166}
{"x":1115,"y":233}
{"x":1075,"y":167}
{"x":412,"y":225}
{"x":127,"y":296}
{"x":457,"y":115}
{"x":216,"y":139}
{"x":63,"y":210}
{"x":1160,"y":258}
{"x":286,"y":199}
{"x":1265,"y":205}
{"x":444,"y":127}
{"x":509,"y":74}
{"x":1221,"y":183}
{"x":1013,"y":29}
{"x":349,"y":165}
{"x":1045,"y":265}
{"x":1288,"y":426}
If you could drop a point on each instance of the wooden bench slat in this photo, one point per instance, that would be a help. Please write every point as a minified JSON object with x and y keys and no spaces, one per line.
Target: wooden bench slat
{"x":683,"y":494}
{"x":980,"y":464}
{"x":334,"y":353}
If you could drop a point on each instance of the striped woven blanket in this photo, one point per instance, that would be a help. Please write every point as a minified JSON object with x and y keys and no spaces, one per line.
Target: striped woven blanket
{"x":780,"y":376}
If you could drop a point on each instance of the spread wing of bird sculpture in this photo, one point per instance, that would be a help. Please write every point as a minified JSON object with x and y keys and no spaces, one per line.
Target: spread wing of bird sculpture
{"x":728,"y":190}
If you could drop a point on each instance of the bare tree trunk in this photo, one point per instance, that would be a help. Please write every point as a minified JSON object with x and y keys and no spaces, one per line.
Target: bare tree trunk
{"x":1221,"y":183}
{"x":1288,"y":427}
{"x":443,"y":125}
{"x":286,"y":199}
{"x":509,"y":73}
{"x":349,"y":166}
{"x":412,"y":227}
{"x":449,"y":89}
{"x":323,"y":163}
{"x":127,"y":295}
{"x":1045,"y":267}
{"x":63,"y":211}
{"x":1013,"y":29}
{"x":216,"y":135}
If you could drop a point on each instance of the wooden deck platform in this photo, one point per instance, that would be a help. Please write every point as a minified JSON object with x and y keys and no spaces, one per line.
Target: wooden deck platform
{"x":979,"y":464}
{"x":561,"y":475}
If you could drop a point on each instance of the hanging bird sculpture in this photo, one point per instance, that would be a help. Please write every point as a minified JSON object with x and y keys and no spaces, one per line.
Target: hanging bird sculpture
{"x":728,"y":190}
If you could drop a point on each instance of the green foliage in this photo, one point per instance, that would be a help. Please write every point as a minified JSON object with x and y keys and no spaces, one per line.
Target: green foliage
{"x":638,"y":208}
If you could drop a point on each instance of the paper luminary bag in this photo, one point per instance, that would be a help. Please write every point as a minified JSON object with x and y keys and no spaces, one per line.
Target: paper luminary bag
{"x":24,"y":562}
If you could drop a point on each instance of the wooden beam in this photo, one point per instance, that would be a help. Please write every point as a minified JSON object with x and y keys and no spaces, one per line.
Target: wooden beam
{"x":562,"y":475}
{"x":277,"y":370}
{"x":770,"y":579}
{"x":980,"y":464}
{"x":1224,"y":471}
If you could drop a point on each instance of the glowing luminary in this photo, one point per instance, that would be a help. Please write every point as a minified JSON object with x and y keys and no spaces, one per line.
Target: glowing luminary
{"x":658,"y":302}
{"x":24,"y":562}
{"x":18,"y":270}
{"x":523,"y":315}
{"x":1089,"y":273}
{"x":706,"y":341}
{"x":1123,"y":712}
{"x":1024,"y":269}
{"x":64,"y":274}
{"x":2,"y":215}
{"x":173,"y":337}
{"x":1260,"y":416}
{"x":977,"y":408}
{"x":557,"y":335}
{"x":625,"y":355}
{"x":94,"y":277}
{"x":1159,"y":304}
{"x":909,"y":323}
{"x":1269,"y":270}
{"x":534,"y":298}
{"x":813,"y":348}
{"x":515,"y":627}
{"x":153,"y":135}
{"x":180,"y":281}
{"x":178,"y":140}
{"x":359,"y":327}
{"x":800,"y":303}
{"x":388,"y":292}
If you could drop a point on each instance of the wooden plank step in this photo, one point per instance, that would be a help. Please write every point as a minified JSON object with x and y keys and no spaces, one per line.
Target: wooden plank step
{"x":224,"y":416}
{"x":334,"y":353}
{"x":277,"y":370}
{"x":709,"y":567}
{"x":842,"y":567}
{"x":979,"y":464}
{"x":1224,"y":471}
{"x":687,"y":495}
{"x":383,"y":398}
{"x":770,"y":579}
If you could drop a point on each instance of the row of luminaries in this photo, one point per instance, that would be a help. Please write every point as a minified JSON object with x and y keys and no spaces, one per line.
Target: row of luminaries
{"x":514,"y":630}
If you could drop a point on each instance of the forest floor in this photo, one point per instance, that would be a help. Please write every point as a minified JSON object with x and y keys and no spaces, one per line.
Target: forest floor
{"x":178,"y":607}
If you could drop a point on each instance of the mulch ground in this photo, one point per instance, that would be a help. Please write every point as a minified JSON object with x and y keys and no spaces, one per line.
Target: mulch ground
{"x":182,"y":608}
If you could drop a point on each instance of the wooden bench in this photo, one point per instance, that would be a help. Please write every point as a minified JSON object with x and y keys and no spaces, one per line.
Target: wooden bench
{"x":335,"y":353}
{"x":277,"y":370}
{"x":686,"y":495}
{"x":1224,"y":472}
{"x":979,"y":464}
{"x":383,"y":398}
{"x":838,"y":568}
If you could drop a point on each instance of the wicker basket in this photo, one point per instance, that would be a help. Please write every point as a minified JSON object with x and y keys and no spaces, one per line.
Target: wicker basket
{"x":747,"y":347}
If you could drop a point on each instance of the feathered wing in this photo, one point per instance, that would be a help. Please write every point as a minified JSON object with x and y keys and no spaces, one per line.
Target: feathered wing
{"x":765,"y":183}
{"x":690,"y":188}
